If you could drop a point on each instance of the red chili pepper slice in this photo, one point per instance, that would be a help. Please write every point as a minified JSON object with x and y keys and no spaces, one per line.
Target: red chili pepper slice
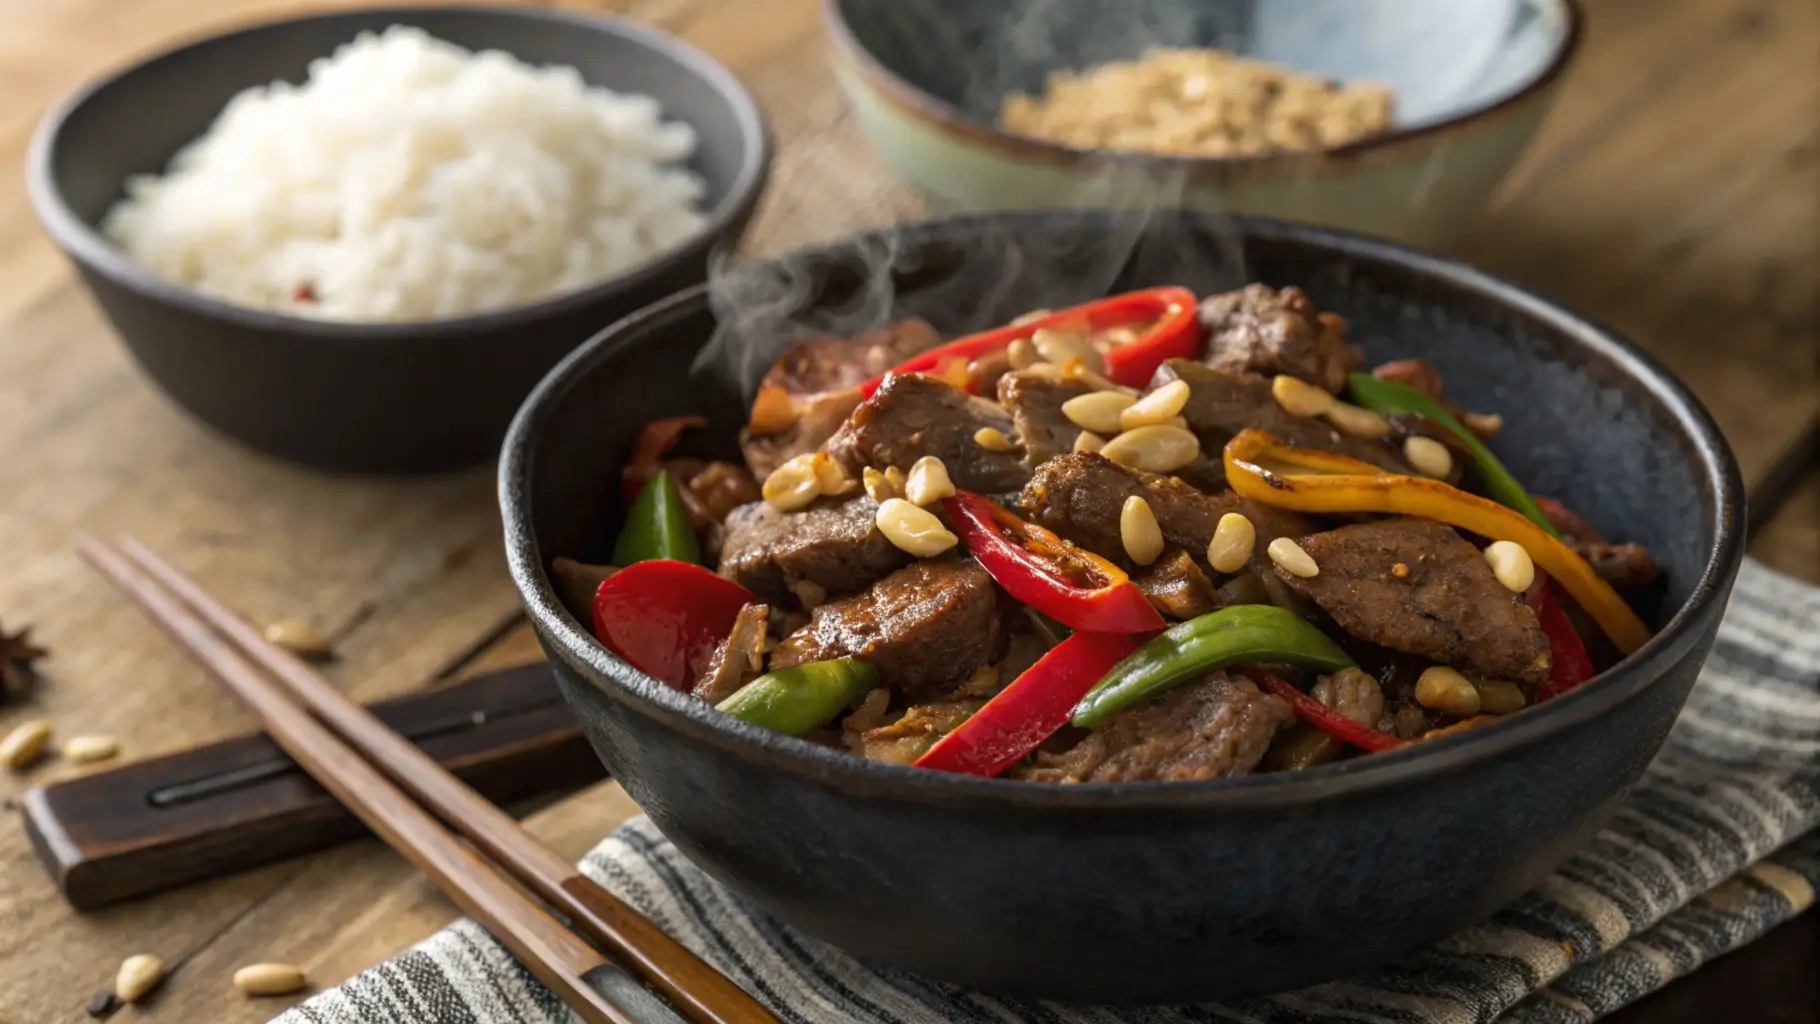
{"x":1032,"y":708}
{"x":654,"y":442}
{"x":666,"y":618}
{"x":1175,"y":331}
{"x":1327,"y":719}
{"x":1075,"y":587}
{"x":1569,"y":664}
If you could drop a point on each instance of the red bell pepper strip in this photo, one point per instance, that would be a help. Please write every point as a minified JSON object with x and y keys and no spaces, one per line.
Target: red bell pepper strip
{"x":1175,"y":332}
{"x":1176,"y":335}
{"x":1569,"y":664}
{"x":654,"y":442}
{"x":1073,"y":586}
{"x":666,"y":618}
{"x":1327,"y":719}
{"x":1031,"y":709}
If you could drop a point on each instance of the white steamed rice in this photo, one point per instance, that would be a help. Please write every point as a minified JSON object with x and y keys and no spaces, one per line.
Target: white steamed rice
{"x":410,"y":179}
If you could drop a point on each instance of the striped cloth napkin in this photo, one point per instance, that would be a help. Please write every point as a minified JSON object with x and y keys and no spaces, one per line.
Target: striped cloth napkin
{"x":1719,"y":843}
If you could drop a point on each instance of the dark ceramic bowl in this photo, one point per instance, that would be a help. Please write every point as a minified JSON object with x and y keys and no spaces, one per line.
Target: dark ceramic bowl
{"x":1155,"y":891}
{"x":387,"y":398}
{"x":1473,"y":80}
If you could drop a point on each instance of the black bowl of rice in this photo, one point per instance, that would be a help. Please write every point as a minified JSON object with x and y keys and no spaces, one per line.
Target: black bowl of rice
{"x":355,"y":241}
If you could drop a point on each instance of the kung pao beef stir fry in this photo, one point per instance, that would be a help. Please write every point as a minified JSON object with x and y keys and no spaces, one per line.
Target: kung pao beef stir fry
{"x":1145,"y":538}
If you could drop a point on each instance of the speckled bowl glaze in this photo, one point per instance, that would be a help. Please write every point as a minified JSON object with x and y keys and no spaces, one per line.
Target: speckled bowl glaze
{"x":1141,"y":892}
{"x":1474,"y":79}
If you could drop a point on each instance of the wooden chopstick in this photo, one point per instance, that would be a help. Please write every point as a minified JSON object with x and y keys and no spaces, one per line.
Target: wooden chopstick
{"x":697,"y":989}
{"x":557,"y":956}
{"x":600,"y":991}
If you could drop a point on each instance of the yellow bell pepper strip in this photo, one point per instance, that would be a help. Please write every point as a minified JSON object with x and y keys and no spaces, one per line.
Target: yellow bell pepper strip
{"x":797,"y":699}
{"x":1390,"y":398}
{"x":1240,"y":634}
{"x":1261,"y":468}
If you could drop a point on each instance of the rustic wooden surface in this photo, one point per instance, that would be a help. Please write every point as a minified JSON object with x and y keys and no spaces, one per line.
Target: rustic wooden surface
{"x":1673,"y":192}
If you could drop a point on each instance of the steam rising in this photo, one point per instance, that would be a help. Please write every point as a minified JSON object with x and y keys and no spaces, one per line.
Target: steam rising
{"x":979,"y":274}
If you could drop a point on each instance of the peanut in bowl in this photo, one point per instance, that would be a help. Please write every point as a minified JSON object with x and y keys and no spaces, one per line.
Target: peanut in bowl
{"x":1198,"y":103}
{"x":1044,"y":105}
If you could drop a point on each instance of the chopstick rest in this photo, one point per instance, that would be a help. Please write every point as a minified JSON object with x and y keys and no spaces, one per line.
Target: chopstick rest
{"x":235,"y":804}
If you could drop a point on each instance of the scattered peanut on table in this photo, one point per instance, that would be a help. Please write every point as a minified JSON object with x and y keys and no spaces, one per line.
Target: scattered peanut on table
{"x":270,"y":979}
{"x":138,"y":974}
{"x":25,"y":744}
{"x":300,"y":638}
{"x":89,"y":749}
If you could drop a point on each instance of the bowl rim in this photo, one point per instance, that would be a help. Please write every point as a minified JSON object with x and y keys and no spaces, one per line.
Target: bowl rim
{"x":1678,"y":639}
{"x":914,"y":100}
{"x":85,"y":245}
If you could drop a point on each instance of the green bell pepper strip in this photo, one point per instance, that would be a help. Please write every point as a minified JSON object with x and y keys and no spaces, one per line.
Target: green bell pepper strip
{"x":797,"y":699}
{"x":657,"y":526}
{"x":1231,"y":636}
{"x":1389,"y":398}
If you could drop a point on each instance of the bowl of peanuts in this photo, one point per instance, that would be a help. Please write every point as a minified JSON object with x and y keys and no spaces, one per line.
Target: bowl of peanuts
{"x":1393,"y":117}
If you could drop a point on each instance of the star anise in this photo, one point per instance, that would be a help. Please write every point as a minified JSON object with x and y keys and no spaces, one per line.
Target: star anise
{"x":17,"y":671}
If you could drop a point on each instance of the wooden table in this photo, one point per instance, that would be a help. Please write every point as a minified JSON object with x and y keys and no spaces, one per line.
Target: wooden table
{"x":1673,"y":193}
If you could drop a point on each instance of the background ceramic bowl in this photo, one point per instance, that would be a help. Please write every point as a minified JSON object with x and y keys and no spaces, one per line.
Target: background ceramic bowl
{"x":1156,"y":891}
{"x":1473,"y":80}
{"x":393,"y":398}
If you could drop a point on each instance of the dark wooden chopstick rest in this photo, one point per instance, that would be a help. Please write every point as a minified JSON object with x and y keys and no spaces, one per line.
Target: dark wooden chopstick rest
{"x":241,"y":803}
